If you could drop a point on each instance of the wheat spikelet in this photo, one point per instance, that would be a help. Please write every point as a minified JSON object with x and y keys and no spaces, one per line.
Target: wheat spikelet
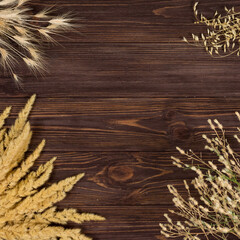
{"x":27,"y":208}
{"x":12,"y":179}
{"x":22,"y":33}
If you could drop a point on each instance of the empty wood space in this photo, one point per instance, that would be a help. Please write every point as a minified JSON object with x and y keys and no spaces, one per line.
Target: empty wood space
{"x":121,"y":93}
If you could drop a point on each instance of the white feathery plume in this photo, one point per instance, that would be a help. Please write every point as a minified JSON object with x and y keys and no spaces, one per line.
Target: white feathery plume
{"x":23,"y":32}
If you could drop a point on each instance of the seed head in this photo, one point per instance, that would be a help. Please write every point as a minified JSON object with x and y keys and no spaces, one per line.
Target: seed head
{"x":22,"y":34}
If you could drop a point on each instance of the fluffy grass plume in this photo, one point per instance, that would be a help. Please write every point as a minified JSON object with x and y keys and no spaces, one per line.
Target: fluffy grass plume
{"x":27,"y":208}
{"x":215,"y":214}
{"x":22,"y":33}
{"x":222,"y":36}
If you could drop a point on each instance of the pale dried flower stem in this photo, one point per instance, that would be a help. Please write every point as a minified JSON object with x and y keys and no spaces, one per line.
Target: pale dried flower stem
{"x":217,"y":213}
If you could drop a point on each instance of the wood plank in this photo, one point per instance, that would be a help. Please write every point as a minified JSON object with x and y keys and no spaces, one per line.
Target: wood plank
{"x":133,"y":21}
{"x":129,"y":124}
{"x":131,"y":50}
{"x":129,"y":223}
{"x":126,"y":223}
{"x":130,"y":70}
{"x":162,"y":67}
{"x":120,"y":178}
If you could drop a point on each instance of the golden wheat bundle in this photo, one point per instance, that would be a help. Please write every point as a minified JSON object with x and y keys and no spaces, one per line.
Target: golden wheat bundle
{"x":222,"y":37}
{"x":27,"y":208}
{"x":216,"y":213}
{"x":22,"y":33}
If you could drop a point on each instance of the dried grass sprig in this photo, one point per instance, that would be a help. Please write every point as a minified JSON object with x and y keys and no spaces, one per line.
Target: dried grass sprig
{"x":216,"y":213}
{"x":22,"y":33}
{"x":27,"y":209}
{"x":222,"y":37}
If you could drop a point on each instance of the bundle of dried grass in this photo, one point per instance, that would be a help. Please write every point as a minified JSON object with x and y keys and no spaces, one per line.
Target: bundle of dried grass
{"x":222,"y":37}
{"x":26,"y":207}
{"x":216,"y":214}
{"x":22,"y":34}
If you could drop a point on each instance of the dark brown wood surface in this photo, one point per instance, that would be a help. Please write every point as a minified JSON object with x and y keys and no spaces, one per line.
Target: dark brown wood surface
{"x":120,"y":94}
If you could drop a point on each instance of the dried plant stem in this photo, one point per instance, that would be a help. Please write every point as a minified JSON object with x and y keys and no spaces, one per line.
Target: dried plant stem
{"x":217,"y":211}
{"x":222,"y":37}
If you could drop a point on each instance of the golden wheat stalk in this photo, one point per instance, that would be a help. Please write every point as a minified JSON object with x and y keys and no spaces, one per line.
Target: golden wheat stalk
{"x":27,"y":209}
{"x":22,"y":34}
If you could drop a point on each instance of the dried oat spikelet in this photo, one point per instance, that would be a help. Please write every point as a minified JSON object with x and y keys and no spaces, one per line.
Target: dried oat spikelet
{"x":222,"y":35}
{"x":215,"y":213}
{"x":23,"y":32}
{"x":27,"y":208}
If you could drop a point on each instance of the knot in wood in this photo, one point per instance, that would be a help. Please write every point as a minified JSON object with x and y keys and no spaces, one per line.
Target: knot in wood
{"x":120,"y":173}
{"x":181,"y":133}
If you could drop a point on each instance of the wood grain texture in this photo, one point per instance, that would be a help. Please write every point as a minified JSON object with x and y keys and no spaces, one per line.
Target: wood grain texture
{"x":126,"y":124}
{"x":131,"y":49}
{"x":120,"y":94}
{"x":130,"y":70}
{"x":124,"y":145}
{"x":120,"y":178}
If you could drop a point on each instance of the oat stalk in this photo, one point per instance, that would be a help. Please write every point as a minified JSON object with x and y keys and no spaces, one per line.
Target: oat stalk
{"x":23,"y":32}
{"x":222,"y":36}
{"x":216,"y":212}
{"x":27,"y":210}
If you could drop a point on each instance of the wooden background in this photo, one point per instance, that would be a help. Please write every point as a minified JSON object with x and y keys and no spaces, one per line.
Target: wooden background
{"x":117,"y":100}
